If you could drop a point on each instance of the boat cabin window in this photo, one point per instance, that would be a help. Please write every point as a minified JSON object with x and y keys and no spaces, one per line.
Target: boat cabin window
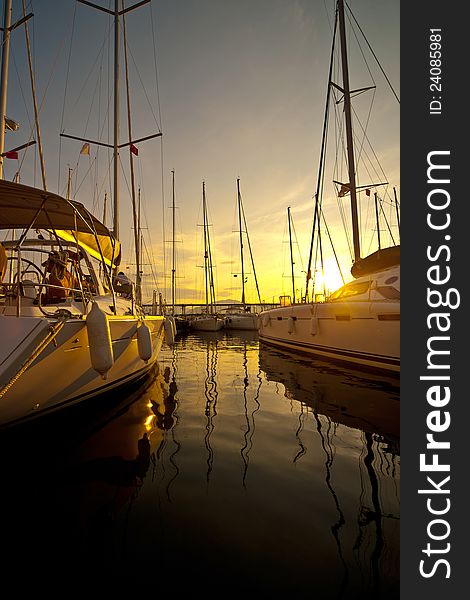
{"x":350,"y":289}
{"x":389,"y":292}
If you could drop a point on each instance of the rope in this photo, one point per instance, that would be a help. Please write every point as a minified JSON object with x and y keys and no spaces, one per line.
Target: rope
{"x":53,"y":332}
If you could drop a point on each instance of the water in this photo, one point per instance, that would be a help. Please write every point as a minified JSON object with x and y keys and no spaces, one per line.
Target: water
{"x":264,"y":472}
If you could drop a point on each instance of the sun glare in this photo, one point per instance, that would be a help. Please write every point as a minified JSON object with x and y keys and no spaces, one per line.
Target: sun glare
{"x":329,"y":278}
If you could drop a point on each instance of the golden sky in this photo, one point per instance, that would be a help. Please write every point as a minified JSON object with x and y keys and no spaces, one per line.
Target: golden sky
{"x":240,"y":92}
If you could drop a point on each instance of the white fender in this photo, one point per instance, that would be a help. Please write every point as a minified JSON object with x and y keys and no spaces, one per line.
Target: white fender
{"x":266,"y":320}
{"x":169,"y":328}
{"x":314,"y":325}
{"x":290,"y":324}
{"x":144,"y":342}
{"x":99,"y":340}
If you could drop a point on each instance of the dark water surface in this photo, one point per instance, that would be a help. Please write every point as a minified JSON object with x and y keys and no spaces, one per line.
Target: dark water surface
{"x":262,"y":472}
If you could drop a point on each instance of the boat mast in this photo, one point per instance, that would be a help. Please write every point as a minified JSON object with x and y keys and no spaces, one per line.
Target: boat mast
{"x":206,"y":254}
{"x":209,"y":263}
{"x":69,"y":185}
{"x":396,"y":208}
{"x":251,"y":253}
{"x":241,"y":241}
{"x":291,"y":255}
{"x":4,"y":75}
{"x":377,"y":220}
{"x":35,"y":104}
{"x":116,"y":121}
{"x":349,"y":133}
{"x":136,"y":217}
{"x":173,"y":261}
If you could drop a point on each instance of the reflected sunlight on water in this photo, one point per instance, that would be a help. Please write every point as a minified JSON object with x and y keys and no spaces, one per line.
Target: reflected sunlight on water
{"x":259,"y":471}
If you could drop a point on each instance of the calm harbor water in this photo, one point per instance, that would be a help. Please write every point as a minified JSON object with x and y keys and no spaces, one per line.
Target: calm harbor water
{"x":235,"y":468}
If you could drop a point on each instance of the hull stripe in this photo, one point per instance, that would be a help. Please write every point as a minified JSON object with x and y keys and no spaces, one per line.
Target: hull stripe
{"x":386,"y":360}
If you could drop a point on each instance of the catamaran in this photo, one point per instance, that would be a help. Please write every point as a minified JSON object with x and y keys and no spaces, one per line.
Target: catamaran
{"x":360,"y":322}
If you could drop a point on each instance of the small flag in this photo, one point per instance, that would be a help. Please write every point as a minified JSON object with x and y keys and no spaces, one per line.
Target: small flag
{"x":85,"y":149}
{"x":11,"y":154}
{"x":367,"y":192}
{"x":134,"y":150}
{"x":344,"y":190}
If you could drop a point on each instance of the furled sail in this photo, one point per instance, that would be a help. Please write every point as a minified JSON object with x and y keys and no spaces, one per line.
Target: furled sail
{"x":24,"y":207}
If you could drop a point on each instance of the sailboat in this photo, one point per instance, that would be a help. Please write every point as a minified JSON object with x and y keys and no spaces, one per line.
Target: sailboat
{"x":210,"y":321}
{"x":71,"y":327}
{"x":287,"y":299}
{"x":181,"y":323}
{"x":240,"y":316}
{"x":360,"y":322}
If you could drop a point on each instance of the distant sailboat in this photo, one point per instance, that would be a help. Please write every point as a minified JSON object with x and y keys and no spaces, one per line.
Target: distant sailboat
{"x":359,"y":323}
{"x":181,"y":324}
{"x":290,"y":299}
{"x":209,"y":321}
{"x":239,"y":316}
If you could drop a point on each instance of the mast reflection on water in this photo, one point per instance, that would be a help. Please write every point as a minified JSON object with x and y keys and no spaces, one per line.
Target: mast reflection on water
{"x":279,"y":475}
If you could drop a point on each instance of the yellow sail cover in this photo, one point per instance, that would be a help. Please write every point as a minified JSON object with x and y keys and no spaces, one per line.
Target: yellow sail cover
{"x":100,"y":247}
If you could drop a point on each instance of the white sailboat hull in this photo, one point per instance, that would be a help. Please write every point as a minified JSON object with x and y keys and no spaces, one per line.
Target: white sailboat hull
{"x":207,"y":324}
{"x":363,"y":330}
{"x":62,"y":373}
{"x":366,"y":334}
{"x":248,"y":321}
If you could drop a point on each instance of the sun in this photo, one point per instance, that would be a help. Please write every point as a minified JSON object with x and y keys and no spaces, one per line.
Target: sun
{"x":329,"y":278}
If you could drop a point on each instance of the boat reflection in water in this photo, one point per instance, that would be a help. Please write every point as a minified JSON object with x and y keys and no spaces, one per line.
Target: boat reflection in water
{"x":234,"y":469}
{"x":359,"y":414}
{"x":74,"y":477}
{"x":360,"y":400}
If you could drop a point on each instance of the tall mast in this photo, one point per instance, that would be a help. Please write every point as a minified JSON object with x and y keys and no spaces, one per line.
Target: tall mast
{"x":69,"y":184}
{"x":291,"y":254}
{"x":396,"y":209}
{"x":116,"y":120}
{"x":241,"y":240}
{"x":206,"y":253}
{"x":136,"y":217}
{"x":35,"y":105}
{"x":377,"y":219}
{"x":251,"y":255}
{"x":4,"y":81}
{"x":349,"y":134}
{"x":173,"y":261}
{"x":116,"y":13}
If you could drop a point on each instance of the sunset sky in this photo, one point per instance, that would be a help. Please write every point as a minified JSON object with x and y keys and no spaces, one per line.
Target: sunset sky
{"x":240,"y":92}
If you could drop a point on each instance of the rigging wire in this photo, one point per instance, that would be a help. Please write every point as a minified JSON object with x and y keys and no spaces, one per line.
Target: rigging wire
{"x":38,"y":110}
{"x":316,"y":216}
{"x":103,"y":56}
{"x":137,"y":233}
{"x":373,"y":53}
{"x":65,"y":93}
{"x":162,"y":169}
{"x":361,"y":155}
{"x":251,"y":254}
